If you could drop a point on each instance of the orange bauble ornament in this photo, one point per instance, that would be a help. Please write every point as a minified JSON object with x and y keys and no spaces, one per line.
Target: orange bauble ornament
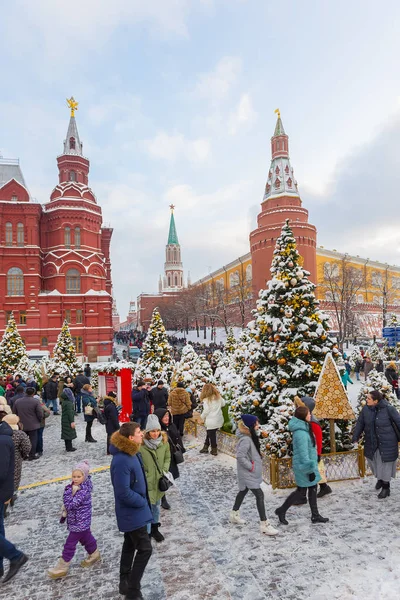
{"x":283,"y":381}
{"x":281,"y":361}
{"x":305,"y":351}
{"x":255,"y":403}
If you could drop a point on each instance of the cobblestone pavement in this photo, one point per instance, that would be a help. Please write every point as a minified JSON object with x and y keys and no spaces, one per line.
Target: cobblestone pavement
{"x":355,"y":556}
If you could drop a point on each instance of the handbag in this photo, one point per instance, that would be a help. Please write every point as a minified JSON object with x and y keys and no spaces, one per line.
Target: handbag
{"x":89,"y":410}
{"x":100,"y":416}
{"x":177,"y":454}
{"x":164,"y":483}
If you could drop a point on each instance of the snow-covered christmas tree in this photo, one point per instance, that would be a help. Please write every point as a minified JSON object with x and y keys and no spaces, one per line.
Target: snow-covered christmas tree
{"x":156,"y":361}
{"x":377,"y":381}
{"x":193,"y":369}
{"x":375,"y":353}
{"x":231,"y":343}
{"x":293,"y":340}
{"x":64,"y":355}
{"x":12,"y":348}
{"x":26,"y":367}
{"x":355,"y":357}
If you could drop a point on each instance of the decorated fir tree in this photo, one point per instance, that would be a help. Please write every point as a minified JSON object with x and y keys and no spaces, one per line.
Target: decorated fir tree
{"x":64,"y":355}
{"x":231,"y":343}
{"x":377,"y":381}
{"x":156,"y":361}
{"x":292,"y":334}
{"x":375,"y":353}
{"x":355,"y":357}
{"x":26,"y":367}
{"x":12,"y":348}
{"x":193,"y":369}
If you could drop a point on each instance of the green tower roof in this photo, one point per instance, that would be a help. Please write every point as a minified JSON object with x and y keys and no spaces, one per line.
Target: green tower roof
{"x":172,"y":236}
{"x":279,"y":128}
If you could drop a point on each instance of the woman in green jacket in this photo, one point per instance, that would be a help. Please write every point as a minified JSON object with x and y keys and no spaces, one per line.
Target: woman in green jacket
{"x":68,"y":432}
{"x":156,"y":457}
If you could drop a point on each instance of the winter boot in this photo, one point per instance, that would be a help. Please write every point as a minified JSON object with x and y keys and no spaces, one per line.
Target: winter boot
{"x":91,"y":559}
{"x":324,"y":490}
{"x":164,"y":503}
{"x":379,"y":484}
{"x":214,"y":451}
{"x":60,"y":570}
{"x":312,"y":499}
{"x":282,"y":516}
{"x":15,"y":566}
{"x":204,"y":449}
{"x":385,"y":491}
{"x":91,"y":439}
{"x":266,"y":527}
{"x":155,"y":533}
{"x":234,"y":517}
{"x":124,"y":584}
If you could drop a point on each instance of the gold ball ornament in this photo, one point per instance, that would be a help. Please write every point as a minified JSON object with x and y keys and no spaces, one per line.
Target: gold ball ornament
{"x":255,"y":403}
{"x":283,"y":381}
{"x":281,"y":361}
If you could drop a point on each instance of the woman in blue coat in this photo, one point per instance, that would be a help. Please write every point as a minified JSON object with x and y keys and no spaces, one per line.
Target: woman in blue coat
{"x":379,"y":421}
{"x":305,"y":466}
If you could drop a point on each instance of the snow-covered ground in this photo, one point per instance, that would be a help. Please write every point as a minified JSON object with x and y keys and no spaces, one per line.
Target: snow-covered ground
{"x":220,"y":335}
{"x":355,"y":556}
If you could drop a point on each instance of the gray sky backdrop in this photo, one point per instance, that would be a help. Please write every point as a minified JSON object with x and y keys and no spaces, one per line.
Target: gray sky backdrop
{"x":176,"y":104}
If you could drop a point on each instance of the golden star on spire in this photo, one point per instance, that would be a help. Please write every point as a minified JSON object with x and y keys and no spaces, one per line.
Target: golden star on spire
{"x":172,"y":206}
{"x":73,"y":105}
{"x":278,"y":112}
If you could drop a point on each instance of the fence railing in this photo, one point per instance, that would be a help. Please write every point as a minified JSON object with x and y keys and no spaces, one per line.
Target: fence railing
{"x":339,"y":466}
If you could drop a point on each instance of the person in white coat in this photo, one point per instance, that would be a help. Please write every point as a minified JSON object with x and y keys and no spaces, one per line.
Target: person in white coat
{"x":212,"y":416}
{"x":249,"y":472}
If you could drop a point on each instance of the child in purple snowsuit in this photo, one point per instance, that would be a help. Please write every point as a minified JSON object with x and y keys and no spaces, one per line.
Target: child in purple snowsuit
{"x":77,"y":510}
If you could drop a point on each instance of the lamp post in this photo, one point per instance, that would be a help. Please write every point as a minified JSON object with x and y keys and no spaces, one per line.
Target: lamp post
{"x":394,"y":322}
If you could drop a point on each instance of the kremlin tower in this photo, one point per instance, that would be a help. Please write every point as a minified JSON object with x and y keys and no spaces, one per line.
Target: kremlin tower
{"x":281,"y":201}
{"x":173,"y":268}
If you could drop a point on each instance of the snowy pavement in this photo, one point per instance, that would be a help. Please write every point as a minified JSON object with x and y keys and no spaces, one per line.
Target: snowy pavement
{"x":355,"y":556}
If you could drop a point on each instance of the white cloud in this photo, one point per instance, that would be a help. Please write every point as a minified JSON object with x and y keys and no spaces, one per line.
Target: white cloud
{"x":243,"y":115}
{"x":216,"y":85}
{"x":176,"y":147}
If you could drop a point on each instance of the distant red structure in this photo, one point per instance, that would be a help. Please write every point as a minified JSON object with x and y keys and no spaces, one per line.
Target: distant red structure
{"x":55,"y":258}
{"x":281,"y":201}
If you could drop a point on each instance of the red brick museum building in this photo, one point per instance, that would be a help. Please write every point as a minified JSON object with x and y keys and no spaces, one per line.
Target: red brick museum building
{"x":55,"y":258}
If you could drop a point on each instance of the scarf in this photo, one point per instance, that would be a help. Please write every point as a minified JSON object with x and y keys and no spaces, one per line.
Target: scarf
{"x":153,"y":444}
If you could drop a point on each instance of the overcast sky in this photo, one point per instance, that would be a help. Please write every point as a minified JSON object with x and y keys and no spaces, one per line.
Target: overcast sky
{"x":176,"y":104}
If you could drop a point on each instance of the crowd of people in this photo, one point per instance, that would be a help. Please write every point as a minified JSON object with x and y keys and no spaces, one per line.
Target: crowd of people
{"x":147,"y":451}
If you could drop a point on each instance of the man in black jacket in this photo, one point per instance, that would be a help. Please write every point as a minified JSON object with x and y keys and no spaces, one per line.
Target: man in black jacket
{"x":51,"y":393}
{"x":79,"y":381}
{"x":7,"y":549}
{"x":140,"y":404}
{"x":160,"y":396}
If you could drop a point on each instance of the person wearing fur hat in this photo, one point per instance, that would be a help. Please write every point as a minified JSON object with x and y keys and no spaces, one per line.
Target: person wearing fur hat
{"x":156,"y":457}
{"x":22,"y":446}
{"x":249,"y":472}
{"x":212,"y":416}
{"x":324,"y":488}
{"x":68,"y":431}
{"x":175,"y":443}
{"x":77,"y":510}
{"x":132,"y":507}
{"x":305,"y":466}
{"x":111,"y":416}
{"x":4,"y":407}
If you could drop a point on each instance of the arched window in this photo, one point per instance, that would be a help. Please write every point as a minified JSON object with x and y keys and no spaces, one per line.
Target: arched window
{"x":77,"y":237}
{"x":67,"y":237}
{"x":73,"y":281}
{"x":20,"y":234}
{"x":72,"y":143}
{"x":176,"y":281}
{"x":169,"y":280}
{"x":9,"y":234}
{"x":360,"y":298}
{"x":72,"y":176}
{"x":249,"y":273}
{"x":15,"y":282}
{"x":45,"y":341}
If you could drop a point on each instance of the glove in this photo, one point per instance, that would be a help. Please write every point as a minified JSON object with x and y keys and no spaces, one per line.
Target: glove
{"x":311,"y":476}
{"x":319,"y":457}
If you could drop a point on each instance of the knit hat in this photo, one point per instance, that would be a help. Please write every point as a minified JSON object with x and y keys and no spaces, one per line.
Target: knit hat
{"x":12,"y":420}
{"x":309,"y":402}
{"x":84,"y":468}
{"x":152,"y":423}
{"x":112,"y":395}
{"x":4,"y":407}
{"x":249,"y":420}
